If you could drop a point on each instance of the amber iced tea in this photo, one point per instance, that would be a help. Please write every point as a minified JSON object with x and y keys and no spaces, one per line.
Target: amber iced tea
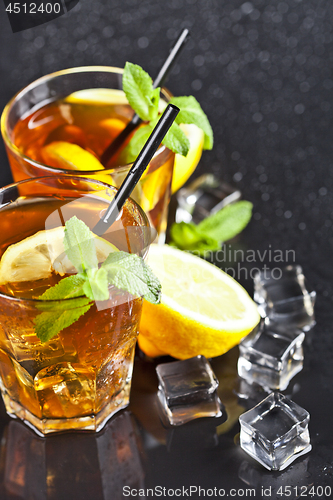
{"x":79,"y":378}
{"x":90,"y":119}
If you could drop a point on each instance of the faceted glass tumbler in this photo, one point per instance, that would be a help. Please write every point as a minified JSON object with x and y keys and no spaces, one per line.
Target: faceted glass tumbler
{"x":79,"y":378}
{"x":187,"y":390}
{"x":284,"y":297}
{"x":275,"y":432}
{"x":204,"y":196}
{"x":271,"y":356}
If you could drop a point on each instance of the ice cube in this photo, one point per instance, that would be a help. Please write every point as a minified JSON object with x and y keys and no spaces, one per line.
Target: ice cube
{"x":271,"y":355}
{"x":204,"y":196}
{"x":275,"y":432}
{"x":187,"y":390}
{"x":66,"y":390}
{"x":283,"y":296}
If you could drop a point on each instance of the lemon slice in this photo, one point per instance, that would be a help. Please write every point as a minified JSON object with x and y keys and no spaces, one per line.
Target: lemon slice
{"x":37,"y":256}
{"x":98,"y":96}
{"x":104,"y":96}
{"x":203,"y":310}
{"x":68,"y":156}
{"x":62,"y":154}
{"x":185,"y":165}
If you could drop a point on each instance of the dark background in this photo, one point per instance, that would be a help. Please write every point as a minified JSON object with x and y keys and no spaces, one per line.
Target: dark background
{"x":262,"y":71}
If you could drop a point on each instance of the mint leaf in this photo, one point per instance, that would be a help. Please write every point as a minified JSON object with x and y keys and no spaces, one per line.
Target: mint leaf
{"x":96,"y":286}
{"x":49,"y":324}
{"x":79,"y":245}
{"x":228,"y":221}
{"x":136,"y":143}
{"x":191,"y":112}
{"x":64,"y":303}
{"x":176,"y":140}
{"x":212,"y":231}
{"x":138,"y":88}
{"x":130,"y":273}
{"x":66,"y":288}
{"x":58,"y":315}
{"x":187,"y":236}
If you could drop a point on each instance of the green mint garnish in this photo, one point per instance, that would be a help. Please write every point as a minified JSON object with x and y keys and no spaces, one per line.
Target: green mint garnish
{"x":212,"y":231}
{"x":144,"y":100}
{"x":138,"y":87}
{"x":126,"y":271}
{"x":191,"y":112}
{"x":79,"y":245}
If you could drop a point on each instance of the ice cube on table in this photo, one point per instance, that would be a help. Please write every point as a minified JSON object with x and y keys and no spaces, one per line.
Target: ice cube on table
{"x":283,"y":296}
{"x":275,"y":432}
{"x":203,"y":197}
{"x":187,"y":390}
{"x":271,"y":355}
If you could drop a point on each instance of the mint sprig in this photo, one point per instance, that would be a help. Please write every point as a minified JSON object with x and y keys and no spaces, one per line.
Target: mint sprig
{"x":138,"y":87}
{"x":209,"y":234}
{"x":126,"y":271}
{"x":144,"y":100}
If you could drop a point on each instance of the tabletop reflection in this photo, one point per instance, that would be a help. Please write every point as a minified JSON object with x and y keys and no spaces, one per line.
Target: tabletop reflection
{"x":76,"y":466}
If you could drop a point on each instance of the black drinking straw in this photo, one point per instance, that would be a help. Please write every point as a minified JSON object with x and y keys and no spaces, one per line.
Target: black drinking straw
{"x":137,"y":169}
{"x":161,"y":77}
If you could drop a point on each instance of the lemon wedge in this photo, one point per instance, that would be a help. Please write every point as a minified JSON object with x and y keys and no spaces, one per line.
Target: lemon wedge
{"x":68,"y":156}
{"x":203,"y":310}
{"x":185,"y":165}
{"x":62,"y":154}
{"x":38,"y":255}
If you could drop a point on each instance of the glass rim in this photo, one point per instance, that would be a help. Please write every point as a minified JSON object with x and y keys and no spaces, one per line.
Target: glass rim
{"x":79,"y":69}
{"x":47,"y":177}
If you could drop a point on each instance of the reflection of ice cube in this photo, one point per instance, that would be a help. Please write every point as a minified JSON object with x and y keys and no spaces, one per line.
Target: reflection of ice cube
{"x":181,"y":438}
{"x":250,"y":394}
{"x":187,"y":390}
{"x":275,"y":432}
{"x":282,"y":295}
{"x":271,"y":356}
{"x":253,"y":475}
{"x":205,"y":196}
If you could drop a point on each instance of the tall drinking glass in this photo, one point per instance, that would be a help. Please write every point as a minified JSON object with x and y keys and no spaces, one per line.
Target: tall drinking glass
{"x":82,"y":376}
{"x":85,"y":107}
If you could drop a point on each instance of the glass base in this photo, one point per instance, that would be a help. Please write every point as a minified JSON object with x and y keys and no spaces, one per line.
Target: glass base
{"x":87,"y":423}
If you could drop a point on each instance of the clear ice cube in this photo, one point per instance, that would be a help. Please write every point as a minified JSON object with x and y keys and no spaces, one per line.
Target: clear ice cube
{"x":275,"y":432}
{"x":187,"y":390}
{"x":283,"y":297}
{"x":271,"y":355}
{"x":204,"y":196}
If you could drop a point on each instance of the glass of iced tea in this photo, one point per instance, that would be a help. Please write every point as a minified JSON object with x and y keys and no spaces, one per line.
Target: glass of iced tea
{"x":63,"y":122}
{"x":82,"y":376}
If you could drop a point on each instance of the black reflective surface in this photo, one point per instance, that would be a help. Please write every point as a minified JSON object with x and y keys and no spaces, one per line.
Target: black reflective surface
{"x":263,"y":73}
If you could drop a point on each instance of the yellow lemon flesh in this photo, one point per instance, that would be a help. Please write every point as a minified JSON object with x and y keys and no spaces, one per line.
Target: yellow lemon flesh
{"x":68,"y":156}
{"x":62,"y":154}
{"x":38,"y":255}
{"x":98,"y":96}
{"x":203,"y":310}
{"x":185,"y":165}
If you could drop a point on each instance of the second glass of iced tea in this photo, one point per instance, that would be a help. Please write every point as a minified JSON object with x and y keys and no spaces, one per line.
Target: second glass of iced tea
{"x":85,"y":107}
{"x":82,"y":376}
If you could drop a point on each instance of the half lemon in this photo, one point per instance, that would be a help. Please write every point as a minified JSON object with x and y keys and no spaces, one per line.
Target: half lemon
{"x":203,"y":310}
